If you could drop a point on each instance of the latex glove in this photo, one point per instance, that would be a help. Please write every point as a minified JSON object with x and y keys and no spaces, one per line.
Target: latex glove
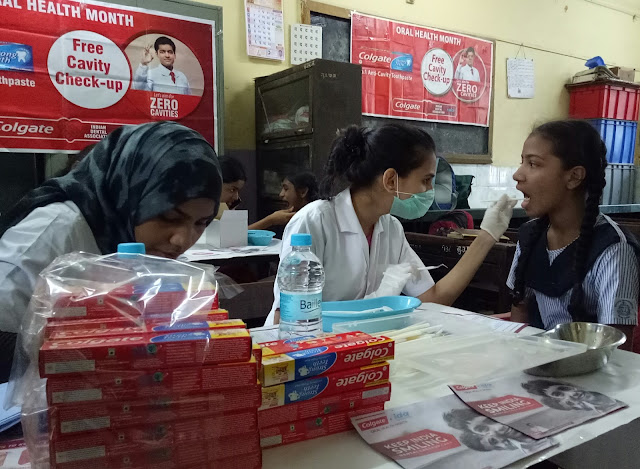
{"x":393,"y":280}
{"x":497,"y":217}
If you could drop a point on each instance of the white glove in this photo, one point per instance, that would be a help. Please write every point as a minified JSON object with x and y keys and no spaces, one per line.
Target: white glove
{"x":497,"y":217}
{"x":393,"y":280}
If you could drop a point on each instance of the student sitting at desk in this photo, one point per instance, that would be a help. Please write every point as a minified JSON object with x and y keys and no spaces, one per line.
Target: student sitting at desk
{"x":157,"y":184}
{"x":388,"y":171}
{"x":302,"y":190}
{"x":572,"y":263}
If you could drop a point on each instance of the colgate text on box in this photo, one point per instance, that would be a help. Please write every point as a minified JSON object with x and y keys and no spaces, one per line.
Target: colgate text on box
{"x":344,"y":402}
{"x":67,"y":420}
{"x":314,"y":427}
{"x":118,"y":385}
{"x":185,"y":326}
{"x":145,"y":351}
{"x":325,"y":359}
{"x":149,"y":320}
{"x":321,"y":386}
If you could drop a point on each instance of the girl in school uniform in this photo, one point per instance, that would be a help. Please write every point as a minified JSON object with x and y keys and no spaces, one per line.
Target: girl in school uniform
{"x":387,"y":171}
{"x":572,"y":263}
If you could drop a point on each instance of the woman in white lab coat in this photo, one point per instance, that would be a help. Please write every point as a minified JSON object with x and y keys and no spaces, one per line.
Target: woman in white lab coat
{"x":387,"y":171}
{"x":157,"y":184}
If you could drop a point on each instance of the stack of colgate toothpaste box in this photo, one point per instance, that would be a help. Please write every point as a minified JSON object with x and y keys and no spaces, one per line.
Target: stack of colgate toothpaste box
{"x":312,"y":387}
{"x":141,"y":390}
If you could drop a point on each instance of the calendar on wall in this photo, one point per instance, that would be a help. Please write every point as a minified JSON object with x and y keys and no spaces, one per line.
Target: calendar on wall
{"x":265,"y":29}
{"x":306,"y":43}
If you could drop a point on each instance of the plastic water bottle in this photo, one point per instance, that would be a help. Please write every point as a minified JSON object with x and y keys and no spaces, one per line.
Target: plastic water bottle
{"x":301,"y":279}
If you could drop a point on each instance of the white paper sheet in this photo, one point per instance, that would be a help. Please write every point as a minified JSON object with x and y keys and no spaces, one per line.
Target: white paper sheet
{"x":306,"y":43}
{"x":520,"y":78}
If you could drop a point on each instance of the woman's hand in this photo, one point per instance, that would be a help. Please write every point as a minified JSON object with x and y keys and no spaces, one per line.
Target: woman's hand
{"x":497,"y":217}
{"x":281,"y":217}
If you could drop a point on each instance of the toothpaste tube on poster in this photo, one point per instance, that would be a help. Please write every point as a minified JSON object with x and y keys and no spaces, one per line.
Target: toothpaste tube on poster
{"x":314,"y":427}
{"x":148,"y":329}
{"x":100,"y":450}
{"x":136,"y":300}
{"x":144,"y":351}
{"x":65,"y":420}
{"x":321,"y":386}
{"x":120,"y":385}
{"x":344,"y":402}
{"x":75,"y":324}
{"x":297,"y":344}
{"x":325,"y":359}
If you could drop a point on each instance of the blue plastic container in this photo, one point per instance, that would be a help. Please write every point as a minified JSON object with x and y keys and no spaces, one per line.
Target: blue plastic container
{"x":334,"y":312}
{"x":620,"y":138}
{"x":260,"y":237}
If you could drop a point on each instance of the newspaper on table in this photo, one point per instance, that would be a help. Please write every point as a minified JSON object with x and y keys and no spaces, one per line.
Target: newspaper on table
{"x":537,"y":407}
{"x":444,"y":433}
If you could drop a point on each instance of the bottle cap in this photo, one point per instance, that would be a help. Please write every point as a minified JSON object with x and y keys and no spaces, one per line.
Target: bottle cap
{"x":301,"y":239}
{"x":131,"y":249}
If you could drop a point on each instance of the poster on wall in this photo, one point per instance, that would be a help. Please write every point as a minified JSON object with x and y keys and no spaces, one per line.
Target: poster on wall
{"x":419,"y":73}
{"x":71,"y":72}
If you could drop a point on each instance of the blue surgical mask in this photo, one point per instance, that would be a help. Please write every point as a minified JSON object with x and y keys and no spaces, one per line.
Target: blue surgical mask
{"x":414,"y":207}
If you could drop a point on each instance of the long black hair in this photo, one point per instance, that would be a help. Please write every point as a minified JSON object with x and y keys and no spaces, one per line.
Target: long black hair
{"x":360,"y":154}
{"x":576,"y":143}
{"x":305,"y":180}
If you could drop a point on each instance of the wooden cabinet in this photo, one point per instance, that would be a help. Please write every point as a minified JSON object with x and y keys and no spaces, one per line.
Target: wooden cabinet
{"x":489,"y":283}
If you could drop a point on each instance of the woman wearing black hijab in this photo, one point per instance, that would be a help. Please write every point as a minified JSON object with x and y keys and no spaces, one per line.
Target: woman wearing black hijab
{"x":157,"y":184}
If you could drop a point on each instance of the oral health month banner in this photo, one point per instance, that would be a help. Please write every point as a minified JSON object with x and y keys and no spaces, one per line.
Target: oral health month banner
{"x":419,"y":73}
{"x":71,"y":72}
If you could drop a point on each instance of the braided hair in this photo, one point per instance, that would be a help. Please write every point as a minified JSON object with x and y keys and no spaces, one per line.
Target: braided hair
{"x":576,"y":143}
{"x":360,"y":154}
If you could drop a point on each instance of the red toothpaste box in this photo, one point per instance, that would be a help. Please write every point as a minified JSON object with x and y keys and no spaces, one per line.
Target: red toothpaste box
{"x":132,"y":438}
{"x":314,"y":427}
{"x":321,"y":386}
{"x":98,"y":452}
{"x":119,"y":385}
{"x":148,"y":320}
{"x":325,"y":359}
{"x":345,"y":402}
{"x":67,"y":420}
{"x":279,"y":347}
{"x":148,"y":329}
{"x":144,"y":351}
{"x":135,"y":300}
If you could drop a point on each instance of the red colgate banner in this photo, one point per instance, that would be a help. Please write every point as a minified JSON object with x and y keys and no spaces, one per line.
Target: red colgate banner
{"x":418,"y":73}
{"x":71,"y":72}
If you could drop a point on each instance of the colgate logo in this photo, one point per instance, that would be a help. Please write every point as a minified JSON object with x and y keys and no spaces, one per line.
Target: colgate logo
{"x":371,"y":424}
{"x":366,"y":377}
{"x":372,"y":57}
{"x":407,"y":106}
{"x":368,"y":354}
{"x":459,"y":387}
{"x":94,"y":341}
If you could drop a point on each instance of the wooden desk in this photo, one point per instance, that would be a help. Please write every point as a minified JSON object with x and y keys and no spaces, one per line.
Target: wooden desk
{"x":492,"y":275}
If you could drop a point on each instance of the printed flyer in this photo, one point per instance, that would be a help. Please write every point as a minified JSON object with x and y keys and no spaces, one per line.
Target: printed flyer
{"x":537,"y":407}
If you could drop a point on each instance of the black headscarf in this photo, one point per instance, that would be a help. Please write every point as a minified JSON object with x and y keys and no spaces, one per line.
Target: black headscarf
{"x":133,"y":175}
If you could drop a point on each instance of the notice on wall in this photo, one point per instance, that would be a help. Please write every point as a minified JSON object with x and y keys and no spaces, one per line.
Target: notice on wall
{"x":520,"y":78}
{"x":306,"y":43}
{"x":265,"y":29}
{"x":71,"y":72}
{"x":420,"y":73}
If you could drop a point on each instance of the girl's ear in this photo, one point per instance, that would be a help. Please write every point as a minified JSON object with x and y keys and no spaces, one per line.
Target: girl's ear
{"x":575,"y":177}
{"x":390,"y":180}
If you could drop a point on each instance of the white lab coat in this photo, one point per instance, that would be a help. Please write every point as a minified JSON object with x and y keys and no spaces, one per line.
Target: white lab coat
{"x":465,"y":72}
{"x":30,"y":246}
{"x":159,"y":79}
{"x":352,"y":270}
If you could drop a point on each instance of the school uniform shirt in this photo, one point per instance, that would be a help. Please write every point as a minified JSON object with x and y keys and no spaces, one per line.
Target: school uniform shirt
{"x":465,"y":72}
{"x":159,"y":79}
{"x":610,"y":287}
{"x":352,"y":268}
{"x":30,"y":246}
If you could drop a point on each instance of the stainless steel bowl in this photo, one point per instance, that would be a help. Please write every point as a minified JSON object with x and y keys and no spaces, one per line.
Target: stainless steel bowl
{"x":601,"y":340}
